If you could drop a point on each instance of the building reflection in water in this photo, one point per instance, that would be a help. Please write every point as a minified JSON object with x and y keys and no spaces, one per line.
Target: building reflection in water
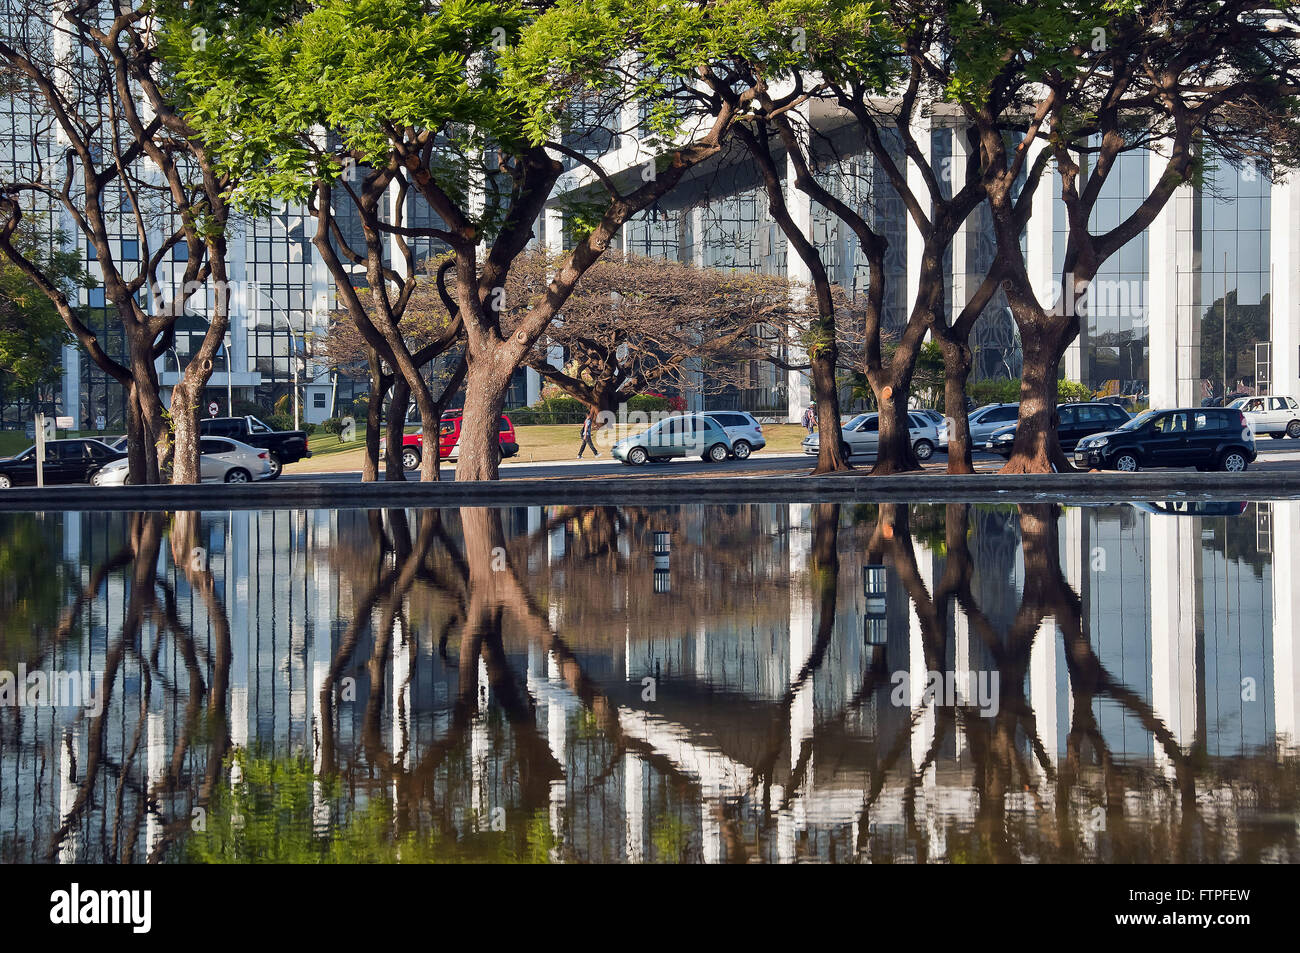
{"x":959,"y":683}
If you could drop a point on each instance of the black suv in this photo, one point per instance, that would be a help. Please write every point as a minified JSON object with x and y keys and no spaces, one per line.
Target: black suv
{"x":66,"y":461}
{"x":1077,"y":420}
{"x":1208,"y":438}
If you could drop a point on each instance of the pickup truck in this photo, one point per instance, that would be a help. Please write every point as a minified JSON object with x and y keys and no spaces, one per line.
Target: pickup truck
{"x":283,"y":446}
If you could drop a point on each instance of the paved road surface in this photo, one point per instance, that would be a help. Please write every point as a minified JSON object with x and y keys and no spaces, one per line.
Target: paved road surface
{"x":1274,"y":455}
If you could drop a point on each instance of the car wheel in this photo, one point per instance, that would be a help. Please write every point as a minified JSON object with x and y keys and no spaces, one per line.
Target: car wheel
{"x":276,"y":466}
{"x":924,"y":449}
{"x":5,"y":482}
{"x":1234,"y":461}
{"x":95,"y":479}
{"x":238,"y":475}
{"x":1293,"y":429}
{"x":637,"y":456}
{"x":846,"y":451}
{"x":1278,"y":435}
{"x":717,"y":453}
{"x":410,"y":459}
{"x":1126,"y":463}
{"x":741,"y":449}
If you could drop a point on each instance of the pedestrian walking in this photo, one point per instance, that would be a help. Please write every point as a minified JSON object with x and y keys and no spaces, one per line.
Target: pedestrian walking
{"x":586,"y":439}
{"x":809,"y":419}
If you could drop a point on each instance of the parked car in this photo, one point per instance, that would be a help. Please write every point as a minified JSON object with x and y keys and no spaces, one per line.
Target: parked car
{"x":862,"y":437}
{"x":66,"y":461}
{"x":1077,"y":420}
{"x":282,"y":446}
{"x":221,"y":460}
{"x":982,"y":422}
{"x":1191,"y":508}
{"x":681,"y":435}
{"x":449,"y":440}
{"x":929,"y":413}
{"x":1228,"y":401}
{"x":745,"y":432}
{"x":1208,"y":438}
{"x":1271,"y":414}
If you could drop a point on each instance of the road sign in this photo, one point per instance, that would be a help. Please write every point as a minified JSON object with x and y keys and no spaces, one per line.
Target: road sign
{"x":213,"y":408}
{"x":100,"y":422}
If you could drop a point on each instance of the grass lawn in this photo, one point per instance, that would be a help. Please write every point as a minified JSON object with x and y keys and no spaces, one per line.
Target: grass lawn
{"x":540,"y":443}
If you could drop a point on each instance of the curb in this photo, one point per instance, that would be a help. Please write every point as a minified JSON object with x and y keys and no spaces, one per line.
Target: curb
{"x":851,"y":488}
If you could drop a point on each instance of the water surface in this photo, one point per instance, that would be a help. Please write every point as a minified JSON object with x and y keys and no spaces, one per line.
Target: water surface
{"x":767,"y":683}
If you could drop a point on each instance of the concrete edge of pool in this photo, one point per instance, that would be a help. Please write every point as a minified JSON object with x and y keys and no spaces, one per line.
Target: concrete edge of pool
{"x":849,"y":488}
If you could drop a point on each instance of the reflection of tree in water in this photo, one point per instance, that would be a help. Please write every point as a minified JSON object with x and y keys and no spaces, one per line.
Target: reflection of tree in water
{"x":529,"y":766}
{"x":127,"y":778}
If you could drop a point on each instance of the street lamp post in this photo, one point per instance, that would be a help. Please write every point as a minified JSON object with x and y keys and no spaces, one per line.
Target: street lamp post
{"x":293,"y":357}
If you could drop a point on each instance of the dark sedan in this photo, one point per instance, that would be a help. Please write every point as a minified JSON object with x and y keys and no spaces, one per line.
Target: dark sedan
{"x":1077,"y":420}
{"x":66,"y":461}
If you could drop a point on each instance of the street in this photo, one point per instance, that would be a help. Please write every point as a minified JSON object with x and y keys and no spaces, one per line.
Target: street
{"x":1273,"y":455}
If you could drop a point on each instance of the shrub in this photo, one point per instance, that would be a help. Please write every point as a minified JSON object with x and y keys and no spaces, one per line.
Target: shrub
{"x":1008,"y":391}
{"x":278,"y":421}
{"x":1067,"y":390}
{"x":647,"y":403}
{"x":994,"y":391}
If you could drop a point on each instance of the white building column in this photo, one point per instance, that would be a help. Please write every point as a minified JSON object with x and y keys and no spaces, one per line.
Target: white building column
{"x":1173,"y":325}
{"x":1286,"y":622}
{"x":920,"y":130}
{"x":1284,"y":284}
{"x":963,"y":283}
{"x":798,"y":383}
{"x":634,"y":808}
{"x":1043,"y":678}
{"x":918,"y":672}
{"x":1172,"y":564}
{"x":802,"y":713}
{"x":1040,"y":243}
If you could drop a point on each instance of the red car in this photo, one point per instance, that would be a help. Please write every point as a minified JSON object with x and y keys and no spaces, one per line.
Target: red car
{"x":449,"y":440}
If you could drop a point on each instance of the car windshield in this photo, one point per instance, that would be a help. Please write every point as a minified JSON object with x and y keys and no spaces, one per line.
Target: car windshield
{"x":1141,"y":420}
{"x":857,"y":422}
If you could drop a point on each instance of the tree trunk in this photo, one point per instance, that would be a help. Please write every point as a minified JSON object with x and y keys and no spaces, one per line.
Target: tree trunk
{"x":157,"y":432}
{"x":831,"y":457}
{"x":185,"y":419}
{"x":374,"y":416}
{"x":396,"y":433}
{"x":139,"y":459}
{"x":485,"y":396}
{"x":956,"y":371}
{"x":1037,"y":447}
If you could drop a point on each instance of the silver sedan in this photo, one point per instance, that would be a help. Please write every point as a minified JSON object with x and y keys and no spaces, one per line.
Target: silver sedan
{"x":862,"y":437}
{"x":221,"y":460}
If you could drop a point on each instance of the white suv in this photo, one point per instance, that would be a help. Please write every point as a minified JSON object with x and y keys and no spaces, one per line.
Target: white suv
{"x":745,"y":432}
{"x":1270,"y":414}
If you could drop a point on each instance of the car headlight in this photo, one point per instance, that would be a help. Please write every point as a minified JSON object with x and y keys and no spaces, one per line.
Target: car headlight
{"x":1094,"y":443}
{"x":1005,"y":437}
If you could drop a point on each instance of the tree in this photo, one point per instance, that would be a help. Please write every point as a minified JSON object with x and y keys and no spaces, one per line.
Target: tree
{"x":858,"y":70}
{"x":90,"y":73}
{"x":636,"y":323}
{"x":31,"y":330}
{"x":1178,"y":79}
{"x":459,"y":103}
